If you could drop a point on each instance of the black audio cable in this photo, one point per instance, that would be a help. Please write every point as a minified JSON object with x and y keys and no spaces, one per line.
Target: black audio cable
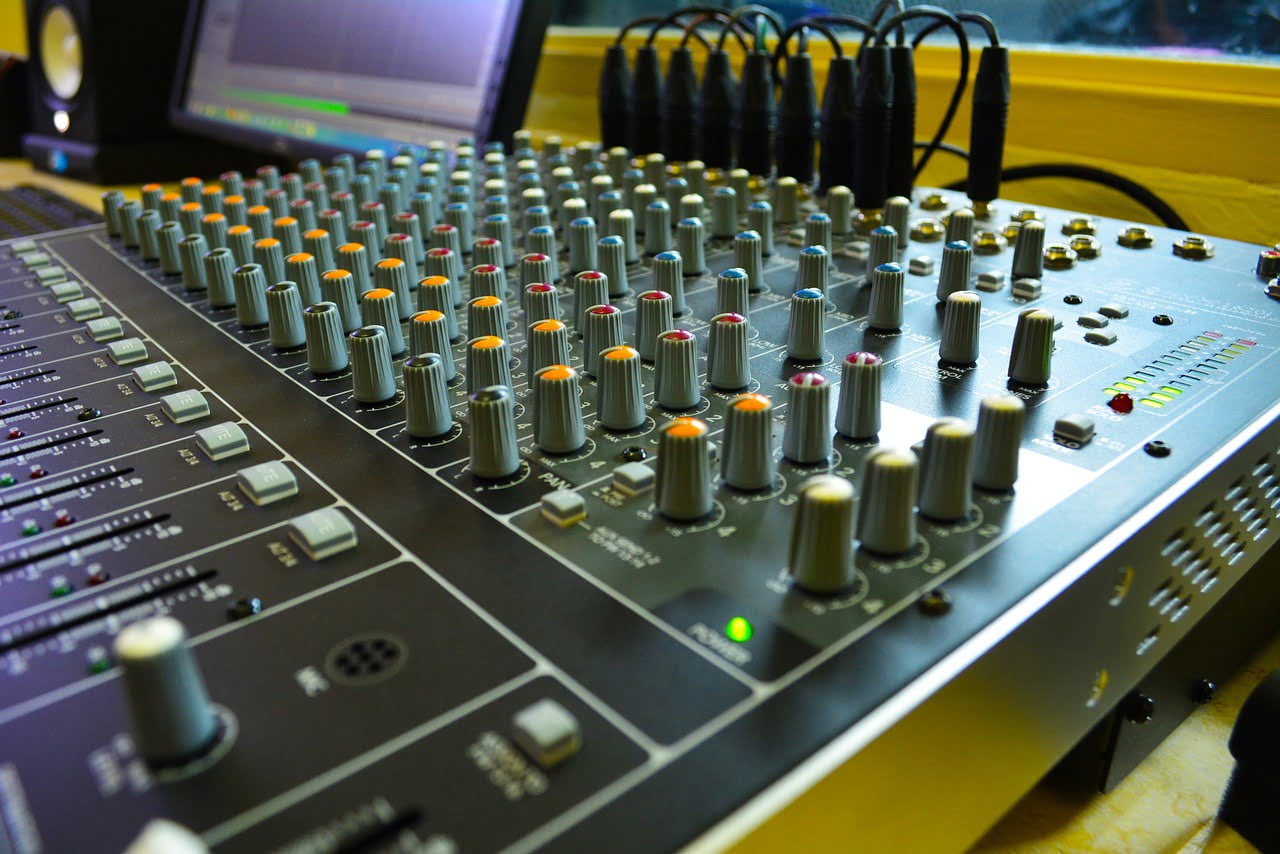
{"x":991,"y":91}
{"x":837,"y":127}
{"x":757,"y":111}
{"x":798,"y":104}
{"x":617,"y":96}
{"x":647,"y":124}
{"x":680,"y":106}
{"x":873,"y":111}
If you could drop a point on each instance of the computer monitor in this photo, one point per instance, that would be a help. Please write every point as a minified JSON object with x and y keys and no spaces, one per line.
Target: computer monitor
{"x":315,"y":77}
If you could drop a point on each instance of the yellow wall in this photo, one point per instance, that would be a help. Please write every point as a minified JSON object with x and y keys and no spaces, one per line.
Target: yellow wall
{"x":13,"y":38}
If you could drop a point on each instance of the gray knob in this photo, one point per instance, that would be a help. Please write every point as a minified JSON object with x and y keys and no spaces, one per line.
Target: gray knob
{"x":191,"y":251}
{"x":896,"y":211}
{"x":760,"y":220}
{"x":372,"y":379}
{"x":218,"y":266}
{"x":424,"y":205}
{"x":748,"y":461}
{"x":287,"y":232}
{"x":682,"y":486}
{"x":443,"y":261}
{"x":429,"y":333}
{"x":494,"y":453}
{"x":168,"y":705}
{"x":532,"y":197}
{"x":946,"y":470}
{"x":1028,"y":251}
{"x":613,"y":265}
{"x":689,"y":243}
{"x":1032,"y":353}
{"x":675,"y":383}
{"x":548,"y":344}
{"x":999,"y":436}
{"x":691,"y":206}
{"x":885,"y":310}
{"x":820,"y":558}
{"x":786,"y":199}
{"x":724,"y":212}
{"x":251,"y":296}
{"x":883,"y":248}
{"x":619,"y":160}
{"x":748,"y":254}
{"x":426,"y":396}
{"x":817,"y":230}
{"x":641,"y":197}
{"x":300,"y":268}
{"x":339,"y":288}
{"x":806,"y":332}
{"x":655,"y":168}
{"x":740,"y":180}
{"x":582,"y":244}
{"x":541,"y":302}
{"x":239,"y":241}
{"x":409,"y":224}
{"x":488,"y":362}
{"x":732,"y":289}
{"x":603,"y":330}
{"x":806,"y":438}
{"x":167,"y":237}
{"x":622,"y":225}
{"x":539,"y":266}
{"x":354,"y":258}
{"x":268,"y":253}
{"x":858,"y":410}
{"x":668,"y":276}
{"x":960,"y":226}
{"x":728,"y":366}
{"x":147,"y":223}
{"x":957,"y":260}
{"x":435,"y":293}
{"x":961,"y":326}
{"x":811,"y":272}
{"x":589,"y":289}
{"x":657,"y":227}
{"x":498,"y":227}
{"x":169,"y":210}
{"x":620,"y":403}
{"x":235,"y":209}
{"x":189,"y":216}
{"x":213,"y":226}
{"x":379,"y":307}
{"x":675,"y":190}
{"x":486,"y":252}
{"x":458,"y":214}
{"x":326,"y":349}
{"x":600,"y":185}
{"x":653,"y":317}
{"x":606,"y":203}
{"x":392,"y":274}
{"x":557,"y":410}
{"x":284,"y":316}
{"x":840,"y":209}
{"x":487,"y":316}
{"x":886,"y":513}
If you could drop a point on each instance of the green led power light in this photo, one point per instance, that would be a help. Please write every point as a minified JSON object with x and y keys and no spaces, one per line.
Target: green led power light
{"x":739,"y":630}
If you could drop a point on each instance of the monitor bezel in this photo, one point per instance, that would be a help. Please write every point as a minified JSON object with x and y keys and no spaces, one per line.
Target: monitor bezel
{"x":505,"y":104}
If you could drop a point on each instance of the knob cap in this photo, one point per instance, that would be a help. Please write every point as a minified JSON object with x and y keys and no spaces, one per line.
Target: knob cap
{"x":488,"y":280}
{"x":339,"y":288}
{"x":191,"y":250}
{"x":811,"y":271}
{"x":378,"y":307}
{"x":858,"y":411}
{"x":444,"y":264}
{"x":760,"y":220}
{"x":806,"y":332}
{"x":168,"y":705}
{"x":539,"y":266}
{"x":239,"y":241}
{"x":786,"y":199}
{"x":961,"y":327}
{"x":218,"y":267}
{"x":488,"y":362}
{"x":896,"y":211}
{"x":946,"y":470}
{"x":957,"y":261}
{"x":884,"y":247}
{"x":653,"y":317}
{"x":487,"y":316}
{"x":886,"y":513}
{"x":748,"y":254}
{"x":748,"y":461}
{"x":589,"y":289}
{"x":1028,"y":251}
{"x":426,"y":396}
{"x":582,"y":244}
{"x":807,"y":435}
{"x":690,"y":237}
{"x":429,"y":333}
{"x":732,"y":288}
{"x":682,"y":487}
{"x":998,"y":439}
{"x":167,"y":237}
{"x":885,"y":311}
{"x":728,"y":367}
{"x":435,"y":293}
{"x":817,"y":230}
{"x":251,"y":296}
{"x":668,"y":276}
{"x":392,"y":274}
{"x":657,"y":227}
{"x":284,"y":316}
{"x":268,"y":252}
{"x":840,"y":209}
{"x":622,"y":225}
{"x":541,"y":301}
{"x":300,"y":268}
{"x":620,"y":404}
{"x":1032,"y":352}
{"x":603,"y":330}
{"x":492,"y":414}
{"x":557,"y":411}
{"x":820,"y":558}
{"x":675,"y":383}
{"x":960,"y":226}
{"x":326,"y":349}
{"x":724,"y":212}
{"x":372,"y":379}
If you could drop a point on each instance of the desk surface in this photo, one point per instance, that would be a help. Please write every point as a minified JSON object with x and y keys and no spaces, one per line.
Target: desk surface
{"x":1168,"y":804}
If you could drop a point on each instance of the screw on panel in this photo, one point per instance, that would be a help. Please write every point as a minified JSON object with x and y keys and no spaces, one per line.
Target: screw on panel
{"x":935,"y":603}
{"x":1162,"y":320}
{"x":1157,"y":449}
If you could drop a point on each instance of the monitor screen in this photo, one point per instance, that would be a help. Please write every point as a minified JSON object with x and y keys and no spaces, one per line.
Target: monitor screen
{"x":314,"y":75}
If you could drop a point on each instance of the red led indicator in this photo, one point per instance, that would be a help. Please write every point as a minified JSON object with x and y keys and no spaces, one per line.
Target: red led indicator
{"x":1121,"y":403}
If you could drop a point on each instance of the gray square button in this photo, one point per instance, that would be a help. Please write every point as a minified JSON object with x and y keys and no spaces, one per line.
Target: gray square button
{"x":220,"y":441}
{"x":154,"y":376}
{"x":184,"y":406}
{"x":267,"y":483}
{"x":322,"y":533}
{"x":547,"y":732}
{"x":126,"y":351}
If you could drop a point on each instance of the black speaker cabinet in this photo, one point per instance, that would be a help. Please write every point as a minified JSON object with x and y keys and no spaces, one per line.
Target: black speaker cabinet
{"x":100,"y":72}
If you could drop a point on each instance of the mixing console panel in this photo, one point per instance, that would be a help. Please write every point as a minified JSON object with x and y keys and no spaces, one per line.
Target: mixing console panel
{"x":332,"y":522}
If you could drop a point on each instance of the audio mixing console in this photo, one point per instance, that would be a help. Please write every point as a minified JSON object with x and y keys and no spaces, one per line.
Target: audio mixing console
{"x":333,"y":522}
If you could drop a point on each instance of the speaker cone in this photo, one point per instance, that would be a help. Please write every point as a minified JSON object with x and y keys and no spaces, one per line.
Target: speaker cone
{"x":60,"y":55}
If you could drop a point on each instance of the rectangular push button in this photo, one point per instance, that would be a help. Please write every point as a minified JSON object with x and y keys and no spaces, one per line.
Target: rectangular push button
{"x":322,"y":533}
{"x":51,"y":275}
{"x":184,"y":406}
{"x":154,"y":376}
{"x":104,"y":328}
{"x":65,"y":292}
{"x":267,"y":483}
{"x":221,"y":441}
{"x":84,"y":309}
{"x":563,"y":508}
{"x":127,"y":350}
{"x":547,"y":732}
{"x":633,"y":478}
{"x":1101,"y":337}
